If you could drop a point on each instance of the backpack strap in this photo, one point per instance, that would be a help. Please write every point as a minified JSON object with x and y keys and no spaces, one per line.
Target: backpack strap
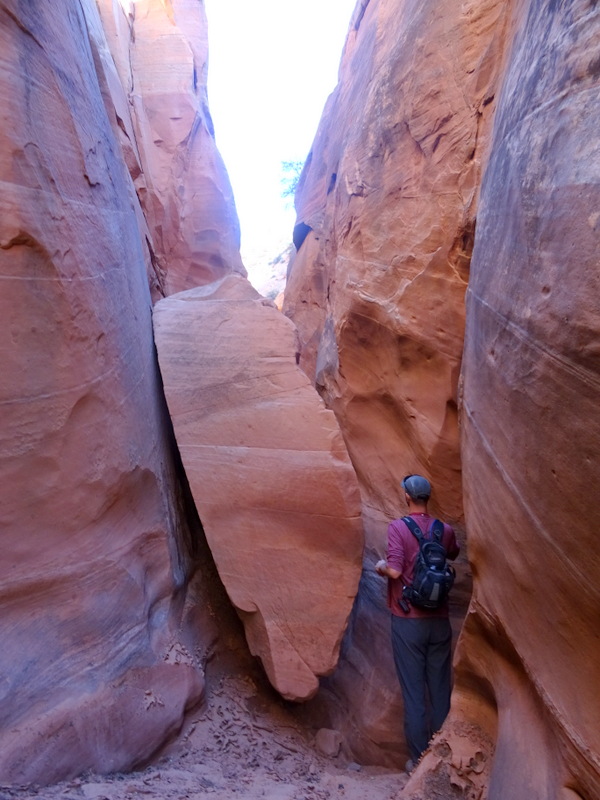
{"x":436,"y":530}
{"x":413,"y":528}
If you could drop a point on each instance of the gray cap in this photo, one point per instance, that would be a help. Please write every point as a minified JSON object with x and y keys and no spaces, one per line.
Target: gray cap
{"x":417,"y":487}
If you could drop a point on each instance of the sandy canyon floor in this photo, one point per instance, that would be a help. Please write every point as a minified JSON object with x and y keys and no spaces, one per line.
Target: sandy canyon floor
{"x":240,"y":744}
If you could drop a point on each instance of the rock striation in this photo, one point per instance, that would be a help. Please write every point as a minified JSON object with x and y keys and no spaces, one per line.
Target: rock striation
{"x":269,"y":473}
{"x":386,"y":212}
{"x":153,"y":67}
{"x":99,"y":627}
{"x":531,"y":433}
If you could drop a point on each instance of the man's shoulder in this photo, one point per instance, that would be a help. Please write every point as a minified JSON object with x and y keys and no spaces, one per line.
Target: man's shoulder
{"x":398,"y":527}
{"x":425,"y":522}
{"x":399,"y":523}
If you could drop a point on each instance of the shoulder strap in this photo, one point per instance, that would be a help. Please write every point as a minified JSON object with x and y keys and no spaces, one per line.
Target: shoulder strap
{"x":413,"y":528}
{"x":437,"y":530}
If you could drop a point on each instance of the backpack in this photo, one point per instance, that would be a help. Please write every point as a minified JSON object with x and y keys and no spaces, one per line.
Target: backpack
{"x":433,"y":577}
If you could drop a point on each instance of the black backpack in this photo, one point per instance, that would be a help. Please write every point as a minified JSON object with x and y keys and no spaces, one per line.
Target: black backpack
{"x":433,"y":577}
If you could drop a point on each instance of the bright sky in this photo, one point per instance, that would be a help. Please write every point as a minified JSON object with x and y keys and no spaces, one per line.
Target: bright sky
{"x":272,"y":65}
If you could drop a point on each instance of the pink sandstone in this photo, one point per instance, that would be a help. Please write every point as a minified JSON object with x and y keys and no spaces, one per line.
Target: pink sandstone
{"x":389,"y":197}
{"x":97,"y":635}
{"x":529,"y":656}
{"x":387,"y":205}
{"x":269,"y":472}
{"x":98,"y":619}
{"x":155,"y":60}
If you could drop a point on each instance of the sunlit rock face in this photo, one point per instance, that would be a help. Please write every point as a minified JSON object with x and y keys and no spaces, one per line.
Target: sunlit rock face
{"x":388,"y":198}
{"x":269,"y":472}
{"x":380,"y":271}
{"x":95,"y":659}
{"x":531,"y":441}
{"x":386,"y":217}
{"x":155,"y":62}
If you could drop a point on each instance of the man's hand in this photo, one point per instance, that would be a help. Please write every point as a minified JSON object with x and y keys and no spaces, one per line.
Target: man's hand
{"x":381,"y":568}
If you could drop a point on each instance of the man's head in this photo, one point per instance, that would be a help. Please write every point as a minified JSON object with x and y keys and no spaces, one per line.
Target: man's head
{"x":417,"y":488}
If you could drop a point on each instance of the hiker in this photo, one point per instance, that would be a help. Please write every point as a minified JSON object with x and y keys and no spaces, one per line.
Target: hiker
{"x":421,"y":636}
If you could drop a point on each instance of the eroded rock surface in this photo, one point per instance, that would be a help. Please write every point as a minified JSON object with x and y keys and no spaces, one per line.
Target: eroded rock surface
{"x":269,"y":472}
{"x":386,"y":217}
{"x":531,"y":444}
{"x":385,"y":220}
{"x":155,"y":62}
{"x":98,"y":661}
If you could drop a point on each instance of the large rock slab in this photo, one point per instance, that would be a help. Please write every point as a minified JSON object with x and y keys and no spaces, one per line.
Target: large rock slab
{"x":269,"y":472}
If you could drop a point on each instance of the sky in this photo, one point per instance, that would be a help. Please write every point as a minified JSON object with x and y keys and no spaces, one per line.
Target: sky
{"x":272,"y":65}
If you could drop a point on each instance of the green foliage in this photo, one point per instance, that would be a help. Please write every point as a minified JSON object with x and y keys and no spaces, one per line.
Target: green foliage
{"x":291,"y":175}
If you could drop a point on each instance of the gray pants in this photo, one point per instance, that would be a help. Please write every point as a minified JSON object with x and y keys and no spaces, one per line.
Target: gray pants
{"x":422,"y":654}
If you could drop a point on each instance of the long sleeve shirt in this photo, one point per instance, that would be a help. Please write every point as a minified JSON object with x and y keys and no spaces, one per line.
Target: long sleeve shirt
{"x":402,"y":552}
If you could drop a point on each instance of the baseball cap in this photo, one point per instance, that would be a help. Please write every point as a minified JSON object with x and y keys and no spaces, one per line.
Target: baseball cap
{"x":417,"y":487}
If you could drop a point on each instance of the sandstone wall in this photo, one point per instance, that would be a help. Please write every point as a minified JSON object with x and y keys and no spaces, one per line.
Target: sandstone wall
{"x":114,"y":195}
{"x":95,"y":664}
{"x":154,"y":65}
{"x":528,"y":660}
{"x":387,"y":207}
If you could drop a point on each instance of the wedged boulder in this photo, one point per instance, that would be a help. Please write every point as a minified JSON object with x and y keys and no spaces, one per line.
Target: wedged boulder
{"x":269,"y":473}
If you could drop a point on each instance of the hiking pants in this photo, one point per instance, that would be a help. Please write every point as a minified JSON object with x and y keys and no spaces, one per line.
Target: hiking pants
{"x":422,"y":654}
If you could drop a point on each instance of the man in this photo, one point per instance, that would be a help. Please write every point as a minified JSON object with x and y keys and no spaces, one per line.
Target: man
{"x":421,"y":639}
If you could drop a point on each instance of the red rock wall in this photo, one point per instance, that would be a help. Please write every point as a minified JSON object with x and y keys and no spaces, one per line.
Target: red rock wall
{"x":154,"y":62}
{"x":531,"y":429}
{"x":389,"y":194}
{"x":388,"y":203}
{"x":96,"y":666}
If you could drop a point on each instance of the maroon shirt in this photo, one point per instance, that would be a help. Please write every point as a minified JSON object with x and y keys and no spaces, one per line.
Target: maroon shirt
{"x":402,"y":551}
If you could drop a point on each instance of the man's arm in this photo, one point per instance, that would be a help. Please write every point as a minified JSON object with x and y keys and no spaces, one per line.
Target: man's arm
{"x":395,"y":554}
{"x":452,"y":548}
{"x":381,"y":568}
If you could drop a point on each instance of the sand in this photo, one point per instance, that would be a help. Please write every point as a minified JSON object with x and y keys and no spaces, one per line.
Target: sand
{"x":241,"y":743}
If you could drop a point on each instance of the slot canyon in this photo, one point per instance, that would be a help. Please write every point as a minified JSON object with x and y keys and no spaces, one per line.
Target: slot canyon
{"x":197,"y":481}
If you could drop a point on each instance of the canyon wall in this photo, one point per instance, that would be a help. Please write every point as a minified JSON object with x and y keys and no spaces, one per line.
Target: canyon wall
{"x":386,"y":210}
{"x":387,"y":206}
{"x":431,"y":98}
{"x":152,"y":65}
{"x":100,"y":634}
{"x":115,"y":196}
{"x":531,"y":430}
